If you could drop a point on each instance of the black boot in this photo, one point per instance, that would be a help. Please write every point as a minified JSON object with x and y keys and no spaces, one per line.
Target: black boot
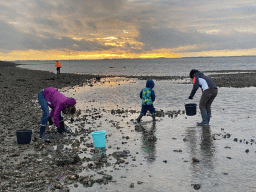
{"x":139,"y":118}
{"x":62,"y":128}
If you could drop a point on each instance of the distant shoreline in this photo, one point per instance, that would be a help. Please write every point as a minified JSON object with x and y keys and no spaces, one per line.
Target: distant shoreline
{"x":210,"y":57}
{"x":241,"y":78}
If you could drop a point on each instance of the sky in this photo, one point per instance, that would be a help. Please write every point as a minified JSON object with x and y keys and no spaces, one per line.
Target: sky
{"x":109,"y":29}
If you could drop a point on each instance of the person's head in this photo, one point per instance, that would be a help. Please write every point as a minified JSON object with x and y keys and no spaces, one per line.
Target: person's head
{"x":70,"y":107}
{"x":192,"y":73}
{"x":71,"y":110}
{"x":150,"y":84}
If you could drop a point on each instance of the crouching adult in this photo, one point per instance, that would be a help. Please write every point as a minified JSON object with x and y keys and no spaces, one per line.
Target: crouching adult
{"x":58,"y":103}
{"x":209,"y":90}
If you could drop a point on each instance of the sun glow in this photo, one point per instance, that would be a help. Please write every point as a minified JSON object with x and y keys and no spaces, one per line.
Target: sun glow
{"x":117,"y":54}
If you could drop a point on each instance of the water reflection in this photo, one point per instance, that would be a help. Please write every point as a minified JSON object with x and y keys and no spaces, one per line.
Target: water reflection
{"x":202,"y":152}
{"x":207,"y":148}
{"x":98,"y":153}
{"x":148,"y":141}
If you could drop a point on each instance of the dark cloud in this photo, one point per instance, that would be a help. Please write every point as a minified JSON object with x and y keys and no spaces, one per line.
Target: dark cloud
{"x":47,"y":24}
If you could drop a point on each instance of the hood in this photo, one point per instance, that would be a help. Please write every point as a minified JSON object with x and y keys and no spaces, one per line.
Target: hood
{"x":70,"y":102}
{"x":198,"y":73}
{"x":150,"y":84}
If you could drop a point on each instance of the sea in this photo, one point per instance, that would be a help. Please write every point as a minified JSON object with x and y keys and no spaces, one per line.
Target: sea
{"x":183,"y":156}
{"x":144,"y":67}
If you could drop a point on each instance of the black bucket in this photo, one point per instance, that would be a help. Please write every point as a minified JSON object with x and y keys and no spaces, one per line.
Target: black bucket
{"x":190,"y":109}
{"x":23,"y":136}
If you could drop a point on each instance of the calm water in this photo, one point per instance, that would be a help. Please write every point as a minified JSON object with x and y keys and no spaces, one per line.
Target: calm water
{"x":157,"y":67}
{"x":224,"y":165}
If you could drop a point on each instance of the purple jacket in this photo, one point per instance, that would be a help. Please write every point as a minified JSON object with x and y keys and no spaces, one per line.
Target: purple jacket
{"x":57,"y":101}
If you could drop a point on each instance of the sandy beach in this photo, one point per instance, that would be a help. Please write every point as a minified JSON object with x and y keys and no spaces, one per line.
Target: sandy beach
{"x":28,"y":167}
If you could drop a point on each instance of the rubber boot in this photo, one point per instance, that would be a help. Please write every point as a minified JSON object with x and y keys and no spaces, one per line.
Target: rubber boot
{"x":154,"y":117}
{"x":62,"y":128}
{"x":208,"y":116}
{"x":204,"y":117}
{"x":42,"y":134}
{"x":139,"y":118}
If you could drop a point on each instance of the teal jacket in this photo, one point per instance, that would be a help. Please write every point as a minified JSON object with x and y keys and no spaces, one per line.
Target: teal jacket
{"x":148,"y":95}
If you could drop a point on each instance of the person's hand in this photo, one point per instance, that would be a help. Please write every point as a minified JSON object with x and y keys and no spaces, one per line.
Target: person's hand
{"x":190,"y":97}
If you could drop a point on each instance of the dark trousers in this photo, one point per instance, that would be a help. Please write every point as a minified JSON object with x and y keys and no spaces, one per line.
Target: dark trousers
{"x":58,"y":70}
{"x":207,"y":98}
{"x":146,"y":108}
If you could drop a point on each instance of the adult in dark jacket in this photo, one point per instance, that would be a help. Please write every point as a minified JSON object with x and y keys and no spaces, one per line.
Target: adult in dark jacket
{"x":148,"y":97}
{"x":209,"y":90}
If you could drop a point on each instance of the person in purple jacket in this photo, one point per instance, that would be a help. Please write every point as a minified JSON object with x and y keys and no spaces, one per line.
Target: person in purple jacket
{"x":209,"y":90}
{"x":58,"y":103}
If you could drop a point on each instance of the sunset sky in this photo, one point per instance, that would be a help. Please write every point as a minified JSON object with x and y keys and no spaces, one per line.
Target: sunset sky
{"x":98,"y":29}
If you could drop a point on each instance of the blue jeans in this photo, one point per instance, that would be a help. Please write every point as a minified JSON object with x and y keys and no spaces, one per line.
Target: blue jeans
{"x":145,"y":108}
{"x":44,"y":106}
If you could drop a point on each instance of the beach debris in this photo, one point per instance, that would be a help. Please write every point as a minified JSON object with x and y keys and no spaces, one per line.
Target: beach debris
{"x":131,"y":185}
{"x":196,"y":186}
{"x":195,"y":160}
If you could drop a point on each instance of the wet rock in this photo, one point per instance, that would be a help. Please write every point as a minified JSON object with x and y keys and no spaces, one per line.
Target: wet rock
{"x":195,"y":160}
{"x":235,"y":139}
{"x":66,"y":159}
{"x":178,"y":151}
{"x":196,"y":186}
{"x":131,"y":185}
{"x":139,"y":182}
{"x":165,"y":161}
{"x":247,"y":150}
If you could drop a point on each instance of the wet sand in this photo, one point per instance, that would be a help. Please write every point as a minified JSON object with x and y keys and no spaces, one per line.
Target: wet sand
{"x":29,"y":167}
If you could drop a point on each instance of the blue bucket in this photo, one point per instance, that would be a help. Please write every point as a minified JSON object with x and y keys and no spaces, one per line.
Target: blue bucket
{"x":99,"y":139}
{"x":23,"y":136}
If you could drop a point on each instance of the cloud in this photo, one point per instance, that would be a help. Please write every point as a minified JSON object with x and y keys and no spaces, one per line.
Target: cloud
{"x":139,"y":26}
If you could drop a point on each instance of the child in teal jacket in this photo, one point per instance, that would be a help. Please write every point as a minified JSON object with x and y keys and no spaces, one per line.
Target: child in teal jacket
{"x":148,"y":97}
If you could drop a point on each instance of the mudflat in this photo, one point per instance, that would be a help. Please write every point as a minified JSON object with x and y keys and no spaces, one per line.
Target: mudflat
{"x":28,"y":167}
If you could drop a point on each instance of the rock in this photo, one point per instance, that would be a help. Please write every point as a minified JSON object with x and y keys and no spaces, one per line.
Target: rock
{"x":196,"y":186}
{"x":120,"y":154}
{"x":195,"y":160}
{"x":131,"y":185}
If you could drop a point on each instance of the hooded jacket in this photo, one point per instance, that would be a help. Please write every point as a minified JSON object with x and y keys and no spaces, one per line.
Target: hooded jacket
{"x":200,"y":80}
{"x":148,"y":95}
{"x":57,"y":101}
{"x":58,"y":64}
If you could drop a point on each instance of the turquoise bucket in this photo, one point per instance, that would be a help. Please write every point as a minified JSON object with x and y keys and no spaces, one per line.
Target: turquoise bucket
{"x":99,"y":139}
